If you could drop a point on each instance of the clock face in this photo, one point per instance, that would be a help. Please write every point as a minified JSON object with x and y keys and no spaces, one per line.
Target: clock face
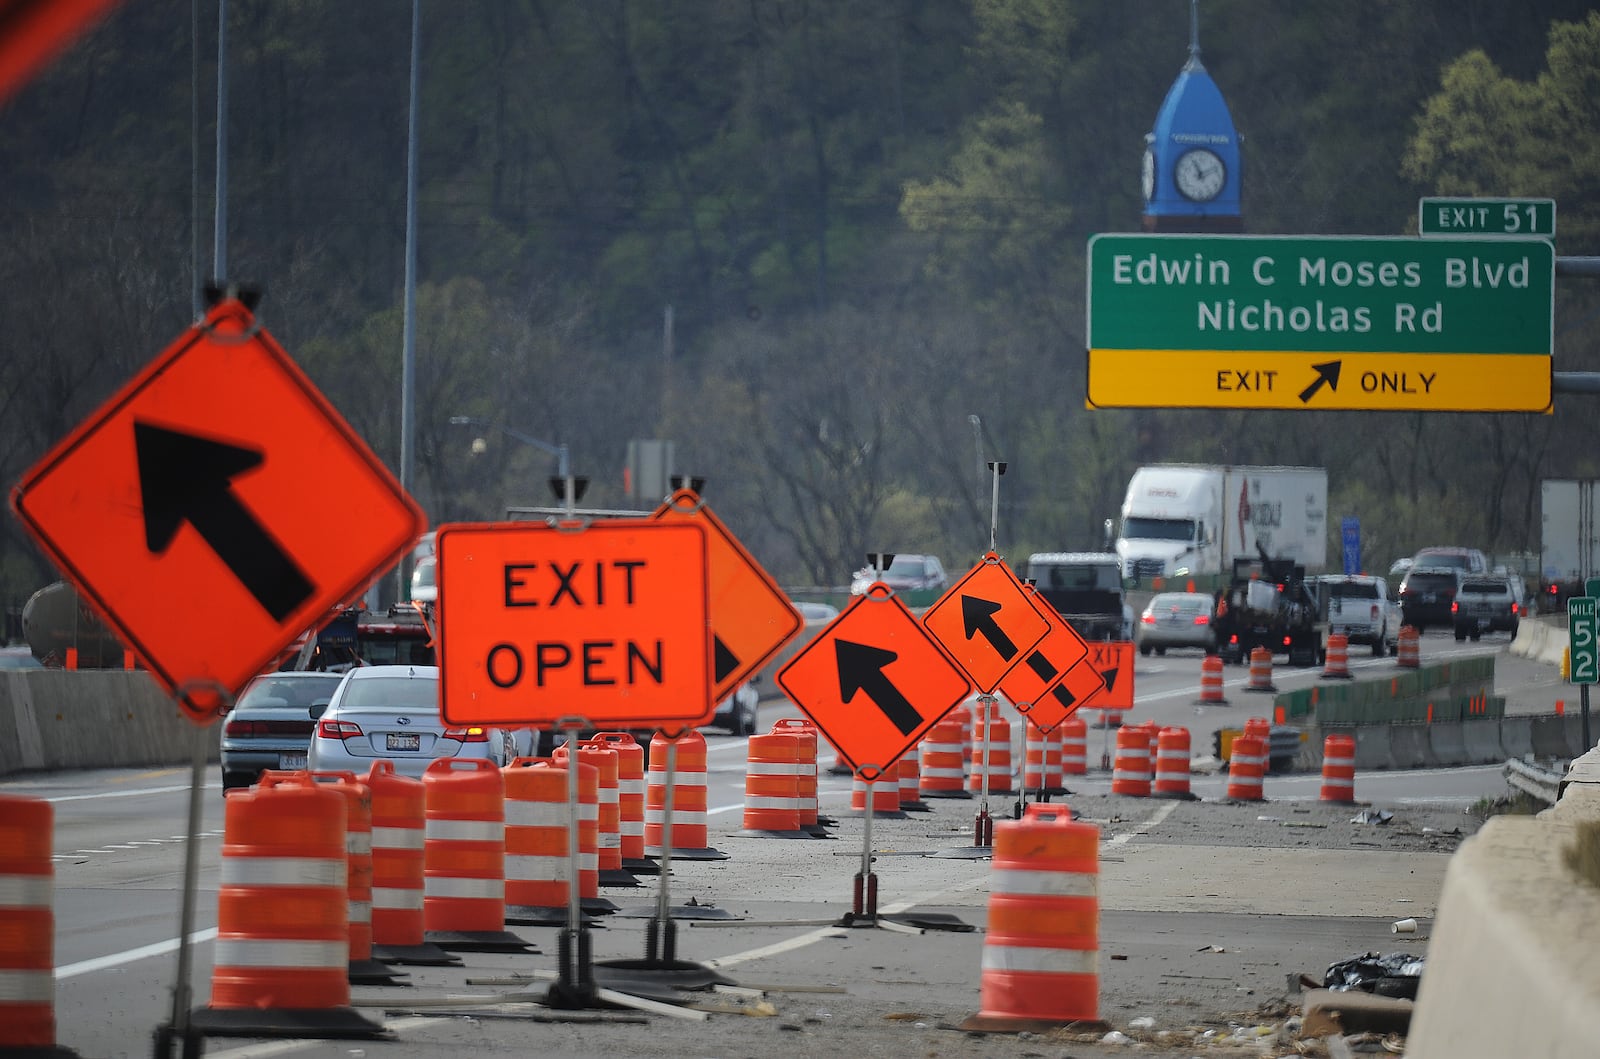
{"x":1147,"y":174}
{"x":1200,"y":175}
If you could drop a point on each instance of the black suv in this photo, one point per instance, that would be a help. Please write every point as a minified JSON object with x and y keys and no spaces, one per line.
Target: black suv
{"x":1485,"y":604}
{"x":1427,"y":596}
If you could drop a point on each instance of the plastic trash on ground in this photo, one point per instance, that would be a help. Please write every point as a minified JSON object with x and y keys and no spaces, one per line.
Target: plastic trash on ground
{"x":1372,"y":816}
{"x":1396,"y":974}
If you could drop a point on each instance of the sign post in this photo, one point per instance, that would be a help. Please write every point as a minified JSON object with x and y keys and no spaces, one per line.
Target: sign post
{"x":1583,"y":637}
{"x":1320,"y":322}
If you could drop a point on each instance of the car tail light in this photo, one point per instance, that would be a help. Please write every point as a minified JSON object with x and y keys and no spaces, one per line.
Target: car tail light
{"x":1374,"y":612}
{"x":246,"y":728}
{"x":1201,"y":619}
{"x":338,"y":729}
{"x":1234,"y":638}
{"x":1514,"y":608}
{"x":1454,"y":607}
{"x":1286,"y":641}
{"x":1147,"y":619}
{"x":472,"y":734}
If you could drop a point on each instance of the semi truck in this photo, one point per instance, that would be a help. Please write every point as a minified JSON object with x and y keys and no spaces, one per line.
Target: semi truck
{"x":1190,"y":521}
{"x":1569,"y":546}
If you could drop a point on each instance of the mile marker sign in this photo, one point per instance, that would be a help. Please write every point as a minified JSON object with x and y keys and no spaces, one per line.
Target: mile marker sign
{"x":1583,"y":632}
{"x":215,"y":508}
{"x":539,"y":622}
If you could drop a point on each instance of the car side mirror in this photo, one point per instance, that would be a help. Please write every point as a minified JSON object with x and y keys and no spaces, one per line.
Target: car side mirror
{"x":317,"y":710}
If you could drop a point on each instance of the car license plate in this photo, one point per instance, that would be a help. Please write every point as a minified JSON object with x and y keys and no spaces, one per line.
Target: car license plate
{"x":397,"y":741}
{"x":291,"y":762}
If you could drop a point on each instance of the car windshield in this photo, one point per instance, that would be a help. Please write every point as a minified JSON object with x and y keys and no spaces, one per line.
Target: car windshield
{"x":1430,"y":582}
{"x":1486,"y":588}
{"x":399,"y":692}
{"x":1097,"y":575}
{"x":1184,"y":603}
{"x":1459,"y":560}
{"x":303,"y":692}
{"x":1158,"y":529}
{"x":1353,"y":589}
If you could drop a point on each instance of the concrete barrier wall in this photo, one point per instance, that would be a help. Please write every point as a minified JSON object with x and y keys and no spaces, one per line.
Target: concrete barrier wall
{"x":101,"y":718}
{"x":1512,"y":964}
{"x":1447,"y":743}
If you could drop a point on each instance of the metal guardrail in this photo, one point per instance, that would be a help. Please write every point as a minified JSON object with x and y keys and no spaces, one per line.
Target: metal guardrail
{"x":1534,"y":781}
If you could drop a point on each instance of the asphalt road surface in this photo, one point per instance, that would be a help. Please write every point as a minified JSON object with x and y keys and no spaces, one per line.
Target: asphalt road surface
{"x":1207,"y":907}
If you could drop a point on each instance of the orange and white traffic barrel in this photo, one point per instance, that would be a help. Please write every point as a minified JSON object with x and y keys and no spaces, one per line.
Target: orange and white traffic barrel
{"x":1247,"y":764}
{"x":810,"y":740}
{"x":1130,"y":770}
{"x":964,"y":714}
{"x":464,"y":856}
{"x":1260,"y":670}
{"x":363,"y":969}
{"x":1041,"y":952}
{"x":772,"y":799}
{"x":1259,"y":726}
{"x":1074,"y":732}
{"x":607,"y":812}
{"x":943,"y":772}
{"x":991,"y":735}
{"x":1408,"y":648}
{"x":910,"y":773}
{"x":1172,"y":764}
{"x":884,"y":793}
{"x":27,"y":927}
{"x":398,"y":817}
{"x":690,"y":835}
{"x":1338,"y":768}
{"x":283,"y":946}
{"x":538,"y":863}
{"x":1211,"y":682}
{"x":1336,"y":664}
{"x":630,"y":791}
{"x":1041,"y":763}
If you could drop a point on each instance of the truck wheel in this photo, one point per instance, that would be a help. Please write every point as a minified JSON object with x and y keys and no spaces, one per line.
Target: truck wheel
{"x":1461,"y":634}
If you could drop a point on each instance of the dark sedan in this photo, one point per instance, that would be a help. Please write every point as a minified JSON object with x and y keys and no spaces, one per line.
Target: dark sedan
{"x":270,"y":726}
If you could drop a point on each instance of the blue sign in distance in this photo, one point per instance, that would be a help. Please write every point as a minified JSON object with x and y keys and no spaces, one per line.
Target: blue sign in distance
{"x":1350,"y":532}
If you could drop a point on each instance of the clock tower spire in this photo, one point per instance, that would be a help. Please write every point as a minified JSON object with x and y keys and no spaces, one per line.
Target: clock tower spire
{"x":1190,"y":174}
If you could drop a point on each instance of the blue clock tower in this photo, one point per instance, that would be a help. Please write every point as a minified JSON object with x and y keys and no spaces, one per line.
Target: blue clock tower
{"x":1190,"y":174}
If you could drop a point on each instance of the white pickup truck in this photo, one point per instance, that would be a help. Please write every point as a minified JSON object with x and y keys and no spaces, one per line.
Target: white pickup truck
{"x":1359,"y":607}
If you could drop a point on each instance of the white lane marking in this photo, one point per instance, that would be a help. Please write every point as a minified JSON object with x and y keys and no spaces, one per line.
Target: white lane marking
{"x":124,"y":794}
{"x":1145,"y":828}
{"x":143,"y":952}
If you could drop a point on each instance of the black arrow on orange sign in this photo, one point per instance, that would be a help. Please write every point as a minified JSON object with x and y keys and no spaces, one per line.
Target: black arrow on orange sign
{"x":861,"y":669}
{"x":723,"y":660}
{"x":184,"y":478}
{"x":977,"y":616}
{"x":1110,"y":677}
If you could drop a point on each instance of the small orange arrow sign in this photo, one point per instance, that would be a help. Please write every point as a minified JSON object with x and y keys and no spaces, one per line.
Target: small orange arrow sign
{"x":874,"y":681}
{"x":987,"y":621}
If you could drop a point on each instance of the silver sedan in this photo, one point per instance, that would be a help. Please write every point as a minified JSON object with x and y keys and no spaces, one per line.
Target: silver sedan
{"x":391,"y":713}
{"x":1177,"y":619}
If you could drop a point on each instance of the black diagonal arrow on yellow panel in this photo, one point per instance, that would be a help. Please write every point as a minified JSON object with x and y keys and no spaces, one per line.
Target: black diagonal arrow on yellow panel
{"x":1327,"y":375}
{"x":861,"y":670}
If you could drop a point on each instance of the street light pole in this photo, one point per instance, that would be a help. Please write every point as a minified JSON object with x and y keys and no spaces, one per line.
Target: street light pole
{"x":563,"y":460}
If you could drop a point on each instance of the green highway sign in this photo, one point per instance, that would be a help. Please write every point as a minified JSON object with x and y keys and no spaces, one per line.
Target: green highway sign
{"x":1583,"y":641}
{"x":1488,"y":218}
{"x":1320,"y":322}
